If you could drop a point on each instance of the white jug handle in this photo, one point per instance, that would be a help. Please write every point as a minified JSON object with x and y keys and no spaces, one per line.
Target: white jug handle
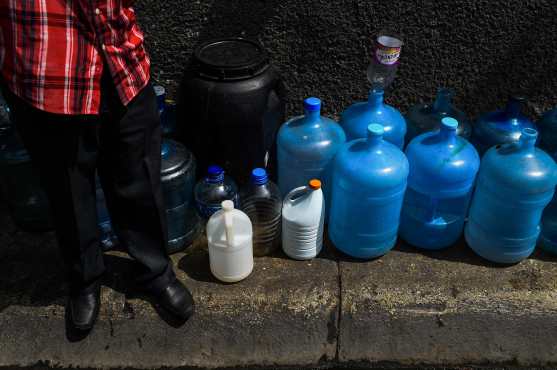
{"x":227,"y":207}
{"x":294,"y":196}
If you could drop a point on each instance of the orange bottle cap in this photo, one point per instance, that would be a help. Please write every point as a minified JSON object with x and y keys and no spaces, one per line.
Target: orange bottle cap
{"x":315,"y":184}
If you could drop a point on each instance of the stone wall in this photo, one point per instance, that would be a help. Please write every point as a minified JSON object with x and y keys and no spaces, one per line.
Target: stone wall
{"x":485,"y":49}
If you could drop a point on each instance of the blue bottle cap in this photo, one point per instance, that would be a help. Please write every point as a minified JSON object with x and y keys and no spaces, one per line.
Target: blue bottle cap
{"x":215,"y":174}
{"x":312,"y":104}
{"x":375,"y":130}
{"x":449,"y":123}
{"x":259,"y":176}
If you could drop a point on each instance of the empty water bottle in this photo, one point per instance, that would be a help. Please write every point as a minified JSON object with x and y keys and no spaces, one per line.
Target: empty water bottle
{"x":443,"y":167}
{"x":548,"y":142}
{"x":160,"y":93}
{"x":357,"y":117}
{"x":369,"y":181}
{"x":262,"y":202}
{"x":384,"y":62}
{"x":178,"y":167}
{"x":501,"y":126}
{"x":303,"y":217}
{"x":516,"y":181}
{"x":427,"y":117}
{"x":306,"y":147}
{"x":212,"y":190}
{"x":229,"y":237}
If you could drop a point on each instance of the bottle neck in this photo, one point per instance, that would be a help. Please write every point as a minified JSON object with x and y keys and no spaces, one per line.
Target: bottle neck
{"x":375,"y":97}
{"x":312,"y":116}
{"x":448,"y":135}
{"x":528,"y":140}
{"x":442,"y":103}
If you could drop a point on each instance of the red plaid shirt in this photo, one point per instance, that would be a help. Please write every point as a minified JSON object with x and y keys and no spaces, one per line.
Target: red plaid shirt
{"x":52,"y":52}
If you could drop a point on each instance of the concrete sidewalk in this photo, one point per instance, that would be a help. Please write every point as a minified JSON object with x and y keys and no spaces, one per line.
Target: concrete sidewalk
{"x":405,"y":309}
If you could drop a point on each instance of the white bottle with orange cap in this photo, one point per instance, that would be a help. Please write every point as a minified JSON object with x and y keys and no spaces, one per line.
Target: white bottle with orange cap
{"x":230,"y":235}
{"x":303,"y":216}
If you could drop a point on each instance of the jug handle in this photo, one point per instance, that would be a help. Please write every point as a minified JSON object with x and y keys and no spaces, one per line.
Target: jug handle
{"x":227,"y":208}
{"x":295,"y":193}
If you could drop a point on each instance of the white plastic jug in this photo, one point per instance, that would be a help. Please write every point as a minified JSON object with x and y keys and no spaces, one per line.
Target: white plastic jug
{"x":303,"y":216}
{"x":229,"y":234}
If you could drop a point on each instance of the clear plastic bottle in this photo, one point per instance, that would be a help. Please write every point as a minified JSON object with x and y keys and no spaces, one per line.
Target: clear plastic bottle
{"x":160,"y":93}
{"x":212,"y":190}
{"x":262,"y":202}
{"x":384,"y":62}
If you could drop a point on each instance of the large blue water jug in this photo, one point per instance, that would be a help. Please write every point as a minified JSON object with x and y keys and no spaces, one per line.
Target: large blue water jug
{"x":427,"y":117}
{"x":369,"y":180}
{"x":515,"y":183}
{"x":443,"y":167}
{"x":501,"y":126}
{"x":178,"y":180}
{"x":306,"y":147}
{"x":548,"y":142}
{"x":357,"y":117}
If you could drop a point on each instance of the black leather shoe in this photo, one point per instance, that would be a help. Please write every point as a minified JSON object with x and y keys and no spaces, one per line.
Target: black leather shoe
{"x":84,"y":307}
{"x":176,"y":299}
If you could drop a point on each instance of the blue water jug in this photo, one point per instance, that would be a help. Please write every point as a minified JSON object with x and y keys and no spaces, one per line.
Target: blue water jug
{"x":21,"y":187}
{"x":443,"y":167}
{"x":501,"y":126}
{"x":357,"y":117}
{"x":548,"y":142}
{"x":369,"y":180}
{"x":210,"y":192}
{"x":108,"y":238}
{"x":306,"y":147}
{"x":178,"y":180}
{"x":515,"y":183}
{"x":427,"y":117}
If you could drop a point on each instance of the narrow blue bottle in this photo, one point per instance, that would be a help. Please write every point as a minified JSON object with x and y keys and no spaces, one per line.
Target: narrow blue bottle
{"x":515,"y":183}
{"x":369,"y":181}
{"x":306,"y":147}
{"x":548,"y":142}
{"x":427,"y":117}
{"x":443,"y":167}
{"x":356,"y":118}
{"x":501,"y":126}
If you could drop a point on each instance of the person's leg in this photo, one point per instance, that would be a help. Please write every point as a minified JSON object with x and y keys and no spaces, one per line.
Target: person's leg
{"x":129,"y":169}
{"x":64,"y":150}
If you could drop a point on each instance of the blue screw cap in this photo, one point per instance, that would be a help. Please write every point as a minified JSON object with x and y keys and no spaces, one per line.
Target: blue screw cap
{"x":449,"y":123}
{"x":215,"y":174}
{"x":375,"y":130}
{"x":312,"y":104}
{"x":259,"y":176}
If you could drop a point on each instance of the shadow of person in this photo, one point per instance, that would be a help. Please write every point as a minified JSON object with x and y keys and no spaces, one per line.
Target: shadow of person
{"x":196,"y":266}
{"x":120,"y":276}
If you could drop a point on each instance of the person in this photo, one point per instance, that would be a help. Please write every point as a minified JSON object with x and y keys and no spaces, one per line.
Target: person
{"x":76,"y":77}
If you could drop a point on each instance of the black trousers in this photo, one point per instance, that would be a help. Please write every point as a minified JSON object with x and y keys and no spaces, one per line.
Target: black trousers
{"x":123,"y":144}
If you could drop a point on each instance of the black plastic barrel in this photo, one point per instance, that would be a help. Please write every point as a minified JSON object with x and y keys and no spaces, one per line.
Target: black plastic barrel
{"x":230,"y":107}
{"x":178,"y":180}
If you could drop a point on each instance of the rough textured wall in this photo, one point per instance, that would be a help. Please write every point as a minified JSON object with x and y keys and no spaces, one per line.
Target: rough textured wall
{"x":482,"y":48}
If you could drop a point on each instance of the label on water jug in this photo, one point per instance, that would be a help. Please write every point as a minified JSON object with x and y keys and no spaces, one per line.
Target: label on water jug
{"x":206,"y":210}
{"x":386,"y":52}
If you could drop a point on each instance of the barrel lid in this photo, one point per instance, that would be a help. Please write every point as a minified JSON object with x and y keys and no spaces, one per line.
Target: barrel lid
{"x":230,"y":59}
{"x":175,"y":156}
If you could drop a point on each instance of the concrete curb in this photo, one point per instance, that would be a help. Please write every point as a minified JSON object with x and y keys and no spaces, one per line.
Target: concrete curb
{"x":405,"y":309}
